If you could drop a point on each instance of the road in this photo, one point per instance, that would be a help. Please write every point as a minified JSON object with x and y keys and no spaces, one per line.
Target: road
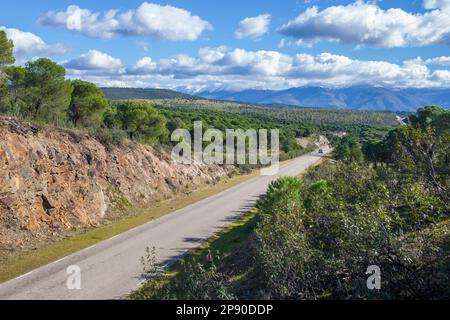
{"x":111,"y":269}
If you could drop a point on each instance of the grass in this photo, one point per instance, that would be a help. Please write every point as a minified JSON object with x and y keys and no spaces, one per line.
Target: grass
{"x":31,"y":260}
{"x":223,"y":242}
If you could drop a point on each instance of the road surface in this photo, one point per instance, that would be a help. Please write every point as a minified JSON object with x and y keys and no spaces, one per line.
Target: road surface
{"x":111,"y":269}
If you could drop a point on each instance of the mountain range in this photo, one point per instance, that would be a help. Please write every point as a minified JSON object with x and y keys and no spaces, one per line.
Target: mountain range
{"x":354,"y":98}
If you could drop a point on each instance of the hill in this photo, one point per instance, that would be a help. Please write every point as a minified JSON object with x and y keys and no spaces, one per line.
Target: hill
{"x":282,"y":114}
{"x":144,"y":94}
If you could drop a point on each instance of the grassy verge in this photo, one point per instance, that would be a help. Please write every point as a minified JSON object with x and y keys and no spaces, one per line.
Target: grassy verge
{"x":31,"y":260}
{"x":224,"y":242}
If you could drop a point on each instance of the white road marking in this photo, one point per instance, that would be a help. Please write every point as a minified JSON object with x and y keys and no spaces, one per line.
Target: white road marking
{"x":62,"y":259}
{"x":24,"y":275}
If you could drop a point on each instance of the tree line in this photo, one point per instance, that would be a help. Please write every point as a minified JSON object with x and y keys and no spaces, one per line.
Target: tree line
{"x":40,"y":92}
{"x":331,"y":118}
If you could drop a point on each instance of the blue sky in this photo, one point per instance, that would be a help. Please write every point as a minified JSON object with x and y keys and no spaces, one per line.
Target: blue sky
{"x":199,"y":44}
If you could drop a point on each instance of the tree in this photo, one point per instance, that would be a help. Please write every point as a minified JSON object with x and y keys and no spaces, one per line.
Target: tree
{"x":420,"y":149}
{"x":6,"y":57}
{"x":356,"y":154}
{"x":88,"y":103}
{"x":48,"y":92}
{"x":15,"y":79}
{"x":283,"y":195}
{"x":342,"y":151}
{"x":6,"y":50}
{"x":426,"y":116}
{"x":175,"y":123}
{"x":349,"y":150}
{"x":141,"y":121}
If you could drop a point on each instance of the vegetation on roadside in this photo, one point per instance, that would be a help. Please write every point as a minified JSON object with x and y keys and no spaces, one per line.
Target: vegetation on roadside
{"x":315,"y":237}
{"x":202,"y":263}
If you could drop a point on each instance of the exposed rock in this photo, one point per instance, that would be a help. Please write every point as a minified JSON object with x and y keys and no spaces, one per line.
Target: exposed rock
{"x":54,"y":180}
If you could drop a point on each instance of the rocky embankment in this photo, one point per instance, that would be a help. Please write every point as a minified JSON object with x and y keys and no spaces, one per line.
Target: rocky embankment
{"x":54,"y":180}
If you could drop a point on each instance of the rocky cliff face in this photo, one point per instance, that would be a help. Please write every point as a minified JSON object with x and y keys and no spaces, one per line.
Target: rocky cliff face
{"x":53,"y":180}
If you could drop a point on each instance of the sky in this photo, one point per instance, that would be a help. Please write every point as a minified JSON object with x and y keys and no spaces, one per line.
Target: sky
{"x":196,"y":45}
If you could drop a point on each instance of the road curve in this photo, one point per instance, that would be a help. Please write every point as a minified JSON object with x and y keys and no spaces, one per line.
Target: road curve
{"x":111,"y":269}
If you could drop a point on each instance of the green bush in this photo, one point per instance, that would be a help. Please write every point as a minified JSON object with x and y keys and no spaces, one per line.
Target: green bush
{"x":315,"y":240}
{"x":108,"y":137}
{"x":196,"y":281}
{"x":139,"y":120}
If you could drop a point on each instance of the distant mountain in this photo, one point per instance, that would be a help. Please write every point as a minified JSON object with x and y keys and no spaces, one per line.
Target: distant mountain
{"x":354,"y":98}
{"x":145,"y":94}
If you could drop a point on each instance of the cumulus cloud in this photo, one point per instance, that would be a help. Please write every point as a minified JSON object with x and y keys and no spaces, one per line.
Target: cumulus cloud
{"x":441,"y":75}
{"x":29,"y":44}
{"x":217,"y":61}
{"x":95,"y":60}
{"x":253,"y":27}
{"x":150,"y":20}
{"x":436,"y":4}
{"x":227,"y":68}
{"x":336,"y":70}
{"x":366,"y":24}
{"x":440,"y":61}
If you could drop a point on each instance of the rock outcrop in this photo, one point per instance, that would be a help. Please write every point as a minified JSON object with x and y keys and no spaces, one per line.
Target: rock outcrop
{"x":53,"y":180}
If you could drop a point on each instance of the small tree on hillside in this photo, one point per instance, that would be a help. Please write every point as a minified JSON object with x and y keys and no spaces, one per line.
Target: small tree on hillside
{"x":88,"y":103}
{"x":349,"y":150}
{"x":6,"y":57}
{"x":15,"y":80}
{"x":48,"y":92}
{"x":6,"y":50}
{"x":141,"y":121}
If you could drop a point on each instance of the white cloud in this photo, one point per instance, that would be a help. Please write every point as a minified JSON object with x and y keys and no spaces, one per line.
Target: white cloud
{"x":234,"y":69}
{"x":436,"y":4}
{"x":440,"y":61}
{"x":95,"y":60}
{"x":366,"y":24}
{"x":334,"y":70}
{"x":253,"y":27}
{"x":152,"y":20}
{"x":442,"y":76}
{"x":29,"y":44}
{"x":217,"y":61}
{"x":228,"y":68}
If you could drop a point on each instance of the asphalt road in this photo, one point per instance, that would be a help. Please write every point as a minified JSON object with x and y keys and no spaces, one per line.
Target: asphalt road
{"x":111,"y":269}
